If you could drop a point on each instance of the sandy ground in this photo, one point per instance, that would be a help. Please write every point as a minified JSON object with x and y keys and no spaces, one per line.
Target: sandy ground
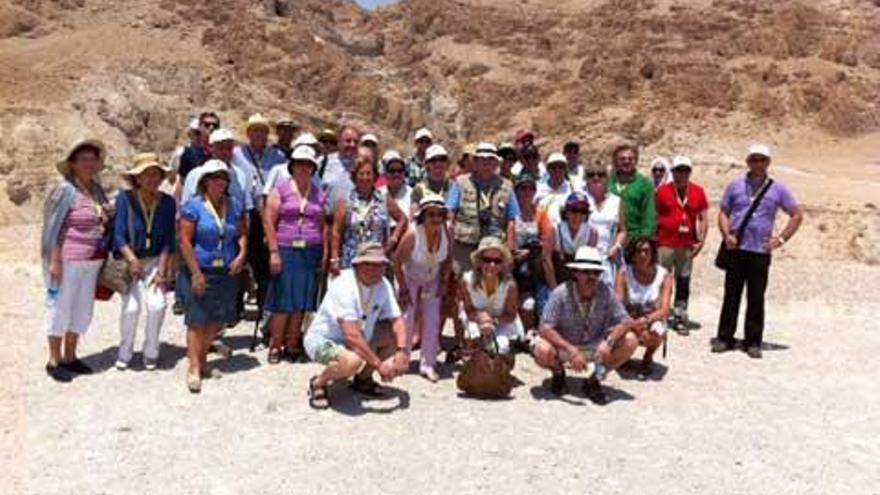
{"x":803,"y":420}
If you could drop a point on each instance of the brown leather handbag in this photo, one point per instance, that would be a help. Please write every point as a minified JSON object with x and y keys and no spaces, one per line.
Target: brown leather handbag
{"x":486,"y":375}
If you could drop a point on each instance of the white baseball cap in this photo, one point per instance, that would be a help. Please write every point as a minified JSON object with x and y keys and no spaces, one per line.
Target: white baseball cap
{"x":213,"y":166}
{"x":759,"y":149}
{"x":304,"y":153}
{"x":370,"y":138}
{"x":435,"y":151}
{"x":487,"y":150}
{"x":305,"y":139}
{"x":556,"y":158}
{"x":391,"y":156}
{"x":221,"y":134}
{"x":424,"y":132}
{"x":681,"y":161}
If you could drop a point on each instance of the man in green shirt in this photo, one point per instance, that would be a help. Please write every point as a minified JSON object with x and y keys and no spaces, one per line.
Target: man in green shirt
{"x":635,"y":190}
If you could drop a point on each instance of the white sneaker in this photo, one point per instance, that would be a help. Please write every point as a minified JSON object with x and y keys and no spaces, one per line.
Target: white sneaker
{"x":430,"y":374}
{"x":121,"y":365}
{"x":150,"y":364}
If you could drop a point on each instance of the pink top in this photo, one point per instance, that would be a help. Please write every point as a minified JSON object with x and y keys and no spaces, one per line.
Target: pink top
{"x":82,"y":231}
{"x":296,"y":224}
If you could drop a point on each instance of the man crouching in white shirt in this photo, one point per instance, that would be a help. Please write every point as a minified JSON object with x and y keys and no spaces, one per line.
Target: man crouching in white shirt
{"x":358,"y":329}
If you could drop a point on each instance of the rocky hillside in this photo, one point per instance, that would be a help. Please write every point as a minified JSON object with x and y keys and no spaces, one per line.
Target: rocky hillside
{"x":670,"y":74}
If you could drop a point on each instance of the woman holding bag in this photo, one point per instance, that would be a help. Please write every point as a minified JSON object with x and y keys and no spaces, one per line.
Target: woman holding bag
{"x":76,"y":217}
{"x":143,"y":236}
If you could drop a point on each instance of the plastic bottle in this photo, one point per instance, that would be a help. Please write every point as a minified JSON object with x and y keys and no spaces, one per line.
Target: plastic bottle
{"x":599,"y":369}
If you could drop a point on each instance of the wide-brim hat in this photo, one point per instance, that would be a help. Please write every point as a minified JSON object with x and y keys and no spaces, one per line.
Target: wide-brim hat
{"x":144,"y":161}
{"x":487,"y":150}
{"x":212,"y":167}
{"x":303,"y":153}
{"x":257,"y":120}
{"x":63,"y":166}
{"x":370,"y":252}
{"x":587,"y":258}
{"x":489,"y":244}
{"x":429,"y":201}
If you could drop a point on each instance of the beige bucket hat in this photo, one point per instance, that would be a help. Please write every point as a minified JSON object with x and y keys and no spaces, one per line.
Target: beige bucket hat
{"x":63,"y":166}
{"x":144,"y":161}
{"x":369,"y":252}
{"x":488,"y":244}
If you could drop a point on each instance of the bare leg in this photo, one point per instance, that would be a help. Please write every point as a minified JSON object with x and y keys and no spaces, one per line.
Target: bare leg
{"x":547,"y":357}
{"x":194,"y":349}
{"x":277,"y":324}
{"x":70,"y":341}
{"x":208,"y":336}
{"x":293,"y":333}
{"x":54,"y":351}
{"x":652,"y":342}
{"x":346,"y":364}
{"x":614,"y":358}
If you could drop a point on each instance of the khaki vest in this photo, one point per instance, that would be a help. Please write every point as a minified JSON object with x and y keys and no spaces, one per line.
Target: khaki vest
{"x":469,"y":228}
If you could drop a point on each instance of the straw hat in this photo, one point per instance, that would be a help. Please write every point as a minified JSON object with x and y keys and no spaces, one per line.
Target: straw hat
{"x":431,"y":200}
{"x":63,"y":166}
{"x":144,"y":161}
{"x":489,"y":244}
{"x":587,"y":258}
{"x":257,"y":120}
{"x":369,"y":252}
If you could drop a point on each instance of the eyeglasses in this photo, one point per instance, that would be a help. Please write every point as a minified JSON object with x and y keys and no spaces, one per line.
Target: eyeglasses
{"x":492,"y":261}
{"x":594,"y":175}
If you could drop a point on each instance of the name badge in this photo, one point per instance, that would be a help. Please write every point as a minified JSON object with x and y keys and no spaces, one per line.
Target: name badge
{"x":218,"y":263}
{"x":301,"y":244}
{"x":684,"y":229}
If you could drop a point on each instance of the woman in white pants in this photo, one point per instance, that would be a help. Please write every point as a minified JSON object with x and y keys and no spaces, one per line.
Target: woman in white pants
{"x":144,"y":237}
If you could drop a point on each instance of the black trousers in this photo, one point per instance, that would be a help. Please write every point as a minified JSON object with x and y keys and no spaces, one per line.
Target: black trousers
{"x":747,"y":271}
{"x":258,"y":256}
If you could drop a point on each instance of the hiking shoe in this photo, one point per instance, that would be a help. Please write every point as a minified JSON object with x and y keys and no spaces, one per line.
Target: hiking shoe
{"x":593,"y":390}
{"x":121,"y":365}
{"x":79,"y":367}
{"x":367,"y":386}
{"x":754,"y":351}
{"x":178,"y":308}
{"x":150,"y":364}
{"x":557,"y":383}
{"x":719,"y":345}
{"x":429,"y":373}
{"x":59,"y":374}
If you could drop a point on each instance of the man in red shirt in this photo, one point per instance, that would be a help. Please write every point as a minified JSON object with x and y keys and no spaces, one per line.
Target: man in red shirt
{"x":682,"y":225}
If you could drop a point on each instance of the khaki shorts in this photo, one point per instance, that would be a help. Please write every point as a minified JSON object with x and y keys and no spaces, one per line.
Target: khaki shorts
{"x":676,"y":260}
{"x":322,"y":350}
{"x":589,"y":352}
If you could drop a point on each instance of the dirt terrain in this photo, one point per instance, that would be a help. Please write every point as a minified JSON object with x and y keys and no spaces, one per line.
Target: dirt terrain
{"x":704,"y":77}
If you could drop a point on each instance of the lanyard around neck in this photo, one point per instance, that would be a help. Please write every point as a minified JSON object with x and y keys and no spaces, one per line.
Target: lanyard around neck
{"x":219,"y":217}
{"x":303,"y":199}
{"x":149,"y":216}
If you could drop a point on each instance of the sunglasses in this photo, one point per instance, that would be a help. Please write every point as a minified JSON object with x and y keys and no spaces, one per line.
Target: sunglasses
{"x":211,"y":125}
{"x":492,"y":261}
{"x":658,"y":170}
{"x":594,"y":175}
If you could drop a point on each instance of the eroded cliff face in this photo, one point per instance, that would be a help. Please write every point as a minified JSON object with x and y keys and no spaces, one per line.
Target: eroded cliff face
{"x":670,"y":74}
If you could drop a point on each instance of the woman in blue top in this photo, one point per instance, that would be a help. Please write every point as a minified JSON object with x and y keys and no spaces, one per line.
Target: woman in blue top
{"x":213,"y":244}
{"x":143,"y":235}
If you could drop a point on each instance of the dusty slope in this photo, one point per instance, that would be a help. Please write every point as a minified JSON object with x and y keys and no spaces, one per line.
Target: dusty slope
{"x":674,"y":75}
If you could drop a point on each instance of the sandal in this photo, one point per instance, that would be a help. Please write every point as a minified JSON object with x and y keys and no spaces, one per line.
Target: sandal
{"x":318,"y":396}
{"x":368,"y":387}
{"x":193,"y":383}
{"x":274,"y":356}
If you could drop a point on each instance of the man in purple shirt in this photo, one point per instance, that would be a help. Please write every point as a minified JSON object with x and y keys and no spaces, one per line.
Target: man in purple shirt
{"x":751,"y":252}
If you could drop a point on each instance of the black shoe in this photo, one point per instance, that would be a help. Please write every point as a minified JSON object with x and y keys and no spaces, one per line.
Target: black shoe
{"x":557,"y":383}
{"x":367,"y":387}
{"x":521,"y":346}
{"x":719,"y":345}
{"x":645,"y":370}
{"x":593,"y":390}
{"x":453,"y":355}
{"x":754,"y":351}
{"x":59,"y":374}
{"x":178,"y":308}
{"x":79,"y":367}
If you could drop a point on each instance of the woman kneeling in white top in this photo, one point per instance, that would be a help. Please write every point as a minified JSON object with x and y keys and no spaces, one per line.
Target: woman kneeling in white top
{"x":645,"y":289}
{"x":489,"y":296}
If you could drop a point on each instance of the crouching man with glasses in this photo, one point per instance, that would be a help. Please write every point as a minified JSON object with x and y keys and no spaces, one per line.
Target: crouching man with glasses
{"x":584,"y":326}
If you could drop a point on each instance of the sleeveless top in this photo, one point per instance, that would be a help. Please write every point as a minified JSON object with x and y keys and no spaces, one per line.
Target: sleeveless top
{"x":566,"y":244}
{"x":365,"y":220}
{"x":424,"y":266}
{"x":526,"y":232}
{"x":482,"y":302}
{"x":298,"y":224}
{"x":642,"y":299}
{"x":605,"y":220}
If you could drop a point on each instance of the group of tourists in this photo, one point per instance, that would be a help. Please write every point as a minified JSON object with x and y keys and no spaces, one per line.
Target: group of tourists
{"x":357,"y":257}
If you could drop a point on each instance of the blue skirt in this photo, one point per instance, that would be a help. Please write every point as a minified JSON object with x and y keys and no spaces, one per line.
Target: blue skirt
{"x":294,"y":290}
{"x":216,"y":305}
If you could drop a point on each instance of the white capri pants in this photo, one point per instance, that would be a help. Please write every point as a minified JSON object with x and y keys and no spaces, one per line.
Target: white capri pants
{"x":504,"y":333}
{"x":143,"y":295}
{"x":72,"y":309}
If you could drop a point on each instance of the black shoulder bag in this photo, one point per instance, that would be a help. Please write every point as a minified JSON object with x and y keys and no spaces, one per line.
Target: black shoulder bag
{"x":722,"y":259}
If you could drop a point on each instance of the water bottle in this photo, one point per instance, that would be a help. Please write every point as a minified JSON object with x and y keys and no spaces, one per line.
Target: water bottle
{"x":51,"y":296}
{"x":599,"y":368}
